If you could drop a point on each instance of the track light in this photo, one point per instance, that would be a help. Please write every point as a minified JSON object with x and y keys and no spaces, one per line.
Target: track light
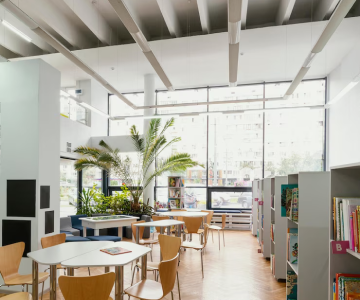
{"x":16,"y":31}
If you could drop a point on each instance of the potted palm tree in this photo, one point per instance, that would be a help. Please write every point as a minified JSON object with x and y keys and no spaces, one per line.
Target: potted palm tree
{"x":140,"y":174}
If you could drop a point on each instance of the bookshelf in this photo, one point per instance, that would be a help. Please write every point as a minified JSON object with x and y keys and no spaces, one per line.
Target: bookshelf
{"x":260,"y":215}
{"x":255,"y":198}
{"x":313,"y":227}
{"x":280,"y":231}
{"x":344,"y":183}
{"x":268,"y":191}
{"x":176,"y":192}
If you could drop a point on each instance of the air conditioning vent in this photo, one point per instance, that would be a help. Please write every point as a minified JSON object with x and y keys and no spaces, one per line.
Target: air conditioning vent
{"x":68,"y":147}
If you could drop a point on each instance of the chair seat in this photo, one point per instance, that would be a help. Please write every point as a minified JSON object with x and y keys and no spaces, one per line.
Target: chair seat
{"x":105,"y":238}
{"x":192,"y":245}
{"x":200,"y":231}
{"x":146,"y":290}
{"x":18,"y":296}
{"x":76,"y":239}
{"x":151,"y":265}
{"x":25,"y":279}
{"x":148,"y":242}
{"x":215,"y":227}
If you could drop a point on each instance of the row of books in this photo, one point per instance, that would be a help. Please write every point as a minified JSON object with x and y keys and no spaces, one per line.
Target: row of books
{"x":272,"y":232}
{"x":346,"y":221}
{"x":291,"y":285}
{"x":272,"y":263}
{"x":176,"y":182}
{"x":292,"y":245}
{"x":173,"y":193}
{"x":347,"y":287}
{"x":290,"y":201}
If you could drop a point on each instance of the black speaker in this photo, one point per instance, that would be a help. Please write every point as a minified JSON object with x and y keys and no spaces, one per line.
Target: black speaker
{"x":49,"y":221}
{"x":14,"y":231}
{"x":21,"y":198}
{"x":44,"y":197}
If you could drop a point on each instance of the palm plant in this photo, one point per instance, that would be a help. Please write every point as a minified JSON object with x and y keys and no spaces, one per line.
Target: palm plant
{"x":140,"y":174}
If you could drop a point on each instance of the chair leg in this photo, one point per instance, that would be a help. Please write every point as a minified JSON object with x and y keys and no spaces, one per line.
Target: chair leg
{"x":177,"y":274}
{"x":224,"y":237}
{"x":27,"y":288}
{"x":22,"y":288}
{"x":42,"y":290}
{"x":89,"y":271}
{"x":172,"y":295}
{"x":219,"y":238}
{"x":151,"y":256}
{"x":202,"y":264}
{"x":132,"y":279}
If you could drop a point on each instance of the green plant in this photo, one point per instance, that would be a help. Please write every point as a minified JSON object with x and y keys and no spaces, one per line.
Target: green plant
{"x":148,"y":149}
{"x":84,"y":204}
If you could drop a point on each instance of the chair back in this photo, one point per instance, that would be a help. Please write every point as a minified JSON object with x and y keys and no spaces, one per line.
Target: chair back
{"x":181,"y":218}
{"x":209,"y":216}
{"x":17,"y":296}
{"x":167,"y":270}
{"x":193,"y":224}
{"x":133,"y":228}
{"x":53,"y":240}
{"x":206,"y":233}
{"x":87,"y":288}
{"x":10,"y":258}
{"x":159,"y":218}
{"x":75,"y":220}
{"x":169,"y":246}
{"x":223,"y":220}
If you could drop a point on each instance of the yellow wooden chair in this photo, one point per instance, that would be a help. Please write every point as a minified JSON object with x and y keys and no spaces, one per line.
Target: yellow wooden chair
{"x":218,"y":228}
{"x":151,"y":289}
{"x":145,"y":242}
{"x":10,"y":258}
{"x":17,"y":296}
{"x":192,"y":225}
{"x":87,"y":288}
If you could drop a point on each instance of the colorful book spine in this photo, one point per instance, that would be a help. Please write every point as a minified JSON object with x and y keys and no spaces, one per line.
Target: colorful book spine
{"x":352,"y":243}
{"x":295,"y":203}
{"x":291,"y":285}
{"x":358,"y":225}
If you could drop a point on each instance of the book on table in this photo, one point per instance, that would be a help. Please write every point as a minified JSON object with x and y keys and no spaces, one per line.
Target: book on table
{"x":115,"y":250}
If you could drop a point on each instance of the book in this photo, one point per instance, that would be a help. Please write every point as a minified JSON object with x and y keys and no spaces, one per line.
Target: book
{"x":294,"y":205}
{"x":174,"y":204}
{"x":293,"y":246}
{"x":353,"y":296}
{"x":340,"y":278}
{"x":291,"y":285}
{"x":284,"y":188}
{"x":115,"y":251}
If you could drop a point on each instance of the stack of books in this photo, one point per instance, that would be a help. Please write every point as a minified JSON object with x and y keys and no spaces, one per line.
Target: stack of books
{"x":346,"y":221}
{"x":291,"y":285}
{"x":272,"y":232}
{"x":347,"y":287}
{"x":292,"y":245}
{"x":290,"y":201}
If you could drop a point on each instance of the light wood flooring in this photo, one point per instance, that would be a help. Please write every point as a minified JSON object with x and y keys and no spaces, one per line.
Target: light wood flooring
{"x":236,"y":272}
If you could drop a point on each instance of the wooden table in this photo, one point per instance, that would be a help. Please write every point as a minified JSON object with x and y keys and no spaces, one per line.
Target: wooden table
{"x":55,"y":255}
{"x":102,"y":222}
{"x":98,"y":258}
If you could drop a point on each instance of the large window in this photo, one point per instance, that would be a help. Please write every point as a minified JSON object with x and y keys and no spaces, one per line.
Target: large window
{"x":68,"y":187}
{"x":237,"y":145}
{"x":69,"y":108}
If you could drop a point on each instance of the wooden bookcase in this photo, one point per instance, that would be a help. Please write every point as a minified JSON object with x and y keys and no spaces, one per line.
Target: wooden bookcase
{"x":345,"y":182}
{"x":176,"y":192}
{"x":313,"y":232}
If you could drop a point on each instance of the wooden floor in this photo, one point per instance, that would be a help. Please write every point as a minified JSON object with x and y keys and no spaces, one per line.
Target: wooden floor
{"x":236,"y":272}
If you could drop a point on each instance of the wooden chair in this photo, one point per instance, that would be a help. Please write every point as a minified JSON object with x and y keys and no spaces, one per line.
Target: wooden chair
{"x":87,"y":288}
{"x":145,"y":242}
{"x":209,"y":216}
{"x":218,"y":228}
{"x":198,"y":247}
{"x":17,"y":296}
{"x":192,"y":225}
{"x":169,"y":247}
{"x":159,"y":218}
{"x":149,"y":289}
{"x":10,"y":258}
{"x":54,"y":240}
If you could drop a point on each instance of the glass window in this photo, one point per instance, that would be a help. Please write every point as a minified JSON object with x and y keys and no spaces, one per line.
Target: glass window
{"x":230,"y":199}
{"x":91,"y":177}
{"x":68,"y":187}
{"x":114,"y":180}
{"x":70,"y":109}
{"x":119,"y":108}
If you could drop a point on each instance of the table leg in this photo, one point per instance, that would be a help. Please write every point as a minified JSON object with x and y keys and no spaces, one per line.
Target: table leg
{"x":35,"y":280}
{"x":143,"y":267}
{"x":96,"y":232}
{"x":137,"y":234}
{"x":84,"y":231}
{"x":120,"y":232}
{"x":107,"y":269}
{"x":119,"y":283}
{"x":179,"y":231}
{"x":169,"y":230}
{"x":70,"y":271}
{"x":53,"y":274}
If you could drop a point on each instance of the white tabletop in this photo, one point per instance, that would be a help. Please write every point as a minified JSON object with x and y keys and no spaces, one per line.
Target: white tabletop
{"x":101,"y":219}
{"x":184,"y":214}
{"x":193,"y":209}
{"x":57,"y":254}
{"x":98,"y":258}
{"x":161,"y":223}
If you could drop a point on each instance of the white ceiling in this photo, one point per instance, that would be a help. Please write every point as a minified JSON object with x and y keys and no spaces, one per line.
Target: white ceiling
{"x":269,"y":54}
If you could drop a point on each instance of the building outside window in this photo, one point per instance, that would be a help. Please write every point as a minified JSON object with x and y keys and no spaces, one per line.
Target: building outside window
{"x":68,"y":187}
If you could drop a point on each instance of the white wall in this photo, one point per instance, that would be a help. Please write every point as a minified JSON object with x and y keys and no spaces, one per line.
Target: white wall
{"x":344,"y":120}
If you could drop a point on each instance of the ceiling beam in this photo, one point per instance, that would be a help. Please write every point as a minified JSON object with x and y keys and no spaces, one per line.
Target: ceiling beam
{"x":60,"y":22}
{"x":204,"y":16}
{"x":130,"y":7}
{"x":6,"y":54}
{"x":244,"y":9}
{"x":324,"y":9}
{"x":92,"y":18}
{"x":284,"y":12}
{"x":172,"y":21}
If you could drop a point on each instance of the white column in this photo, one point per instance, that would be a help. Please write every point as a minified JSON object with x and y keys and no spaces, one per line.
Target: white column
{"x":149,"y":99}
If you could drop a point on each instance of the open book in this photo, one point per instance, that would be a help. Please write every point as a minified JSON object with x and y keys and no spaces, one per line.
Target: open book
{"x":115,"y":251}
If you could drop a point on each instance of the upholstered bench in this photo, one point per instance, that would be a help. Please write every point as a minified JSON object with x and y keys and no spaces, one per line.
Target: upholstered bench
{"x":105,"y":238}
{"x":70,"y":239}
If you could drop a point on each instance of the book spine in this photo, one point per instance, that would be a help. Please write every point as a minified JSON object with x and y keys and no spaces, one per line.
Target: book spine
{"x":341,"y":222}
{"x":352,"y":233}
{"x":338,"y":219}
{"x":334,"y":219}
{"x":358,"y":225}
{"x":355,"y":231}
